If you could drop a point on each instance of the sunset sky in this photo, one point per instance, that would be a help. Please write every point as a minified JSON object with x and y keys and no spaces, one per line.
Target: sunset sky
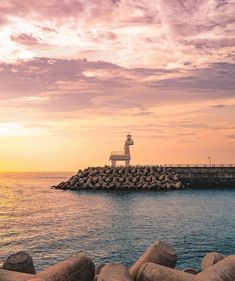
{"x":77,"y":75}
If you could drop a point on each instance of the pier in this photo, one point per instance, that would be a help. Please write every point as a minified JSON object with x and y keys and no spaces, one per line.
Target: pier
{"x":155,"y":177}
{"x":205,"y":176}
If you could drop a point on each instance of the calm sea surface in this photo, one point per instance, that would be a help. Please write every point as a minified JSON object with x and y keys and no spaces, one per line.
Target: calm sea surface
{"x":52,"y":225}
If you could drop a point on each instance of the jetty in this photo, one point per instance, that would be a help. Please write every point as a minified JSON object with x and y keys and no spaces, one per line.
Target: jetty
{"x":149,"y":177}
{"x":205,"y":175}
{"x":155,"y":177}
{"x":123,"y":178}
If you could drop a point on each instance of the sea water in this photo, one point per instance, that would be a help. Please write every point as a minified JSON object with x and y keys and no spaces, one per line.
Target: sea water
{"x":53,"y":225}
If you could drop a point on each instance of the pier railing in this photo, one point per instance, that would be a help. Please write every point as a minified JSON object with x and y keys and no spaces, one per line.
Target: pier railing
{"x":186,"y":165}
{"x":198,"y":165}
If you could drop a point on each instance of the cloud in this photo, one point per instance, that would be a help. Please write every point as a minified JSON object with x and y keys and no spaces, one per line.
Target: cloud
{"x":130,"y":33}
{"x":144,"y":113}
{"x":63,"y":85}
{"x":116,"y":2}
{"x":215,"y":43}
{"x":26,"y":39}
{"x":53,"y":8}
{"x":218,"y":106}
{"x":187,"y":18}
{"x":231,"y":136}
{"x":214,"y":81}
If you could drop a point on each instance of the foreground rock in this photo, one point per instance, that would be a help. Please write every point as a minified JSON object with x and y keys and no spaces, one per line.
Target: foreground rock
{"x":156,"y":264}
{"x":123,"y":178}
{"x":224,"y":270}
{"x":155,"y":272}
{"x":73,"y":269}
{"x":211,"y":259}
{"x":114,"y":272}
{"x":158,"y":253}
{"x":21,"y":262}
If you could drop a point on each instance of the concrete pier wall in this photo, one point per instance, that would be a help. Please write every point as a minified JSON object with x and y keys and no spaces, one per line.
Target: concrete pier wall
{"x":202,"y":177}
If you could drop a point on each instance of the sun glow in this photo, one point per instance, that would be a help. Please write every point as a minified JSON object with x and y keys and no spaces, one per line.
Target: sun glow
{"x":18,"y":129}
{"x":10,"y":129}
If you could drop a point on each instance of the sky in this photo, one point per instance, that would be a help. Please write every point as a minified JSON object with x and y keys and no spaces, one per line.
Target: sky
{"x":77,"y":75}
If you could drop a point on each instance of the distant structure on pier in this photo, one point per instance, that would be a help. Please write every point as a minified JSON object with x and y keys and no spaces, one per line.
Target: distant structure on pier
{"x":122,"y":155}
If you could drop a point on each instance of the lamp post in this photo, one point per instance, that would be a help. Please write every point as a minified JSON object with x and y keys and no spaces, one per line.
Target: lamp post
{"x":209,"y":160}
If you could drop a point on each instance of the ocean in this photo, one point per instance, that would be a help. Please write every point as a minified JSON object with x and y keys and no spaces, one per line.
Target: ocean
{"x":53,"y":225}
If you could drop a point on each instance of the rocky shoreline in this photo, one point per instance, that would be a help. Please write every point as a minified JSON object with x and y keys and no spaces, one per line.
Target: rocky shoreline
{"x":123,"y":178}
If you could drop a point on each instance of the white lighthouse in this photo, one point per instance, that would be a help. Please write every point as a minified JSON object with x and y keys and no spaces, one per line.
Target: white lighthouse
{"x":120,"y":155}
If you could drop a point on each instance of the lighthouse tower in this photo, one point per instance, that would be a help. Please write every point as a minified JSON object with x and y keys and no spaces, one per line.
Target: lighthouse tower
{"x":120,"y":155}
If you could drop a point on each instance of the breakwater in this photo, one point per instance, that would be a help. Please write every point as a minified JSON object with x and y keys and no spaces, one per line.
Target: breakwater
{"x":123,"y":178}
{"x":206,"y":176}
{"x":151,"y":178}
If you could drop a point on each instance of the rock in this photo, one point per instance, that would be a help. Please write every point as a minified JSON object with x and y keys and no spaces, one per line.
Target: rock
{"x":114,"y":272}
{"x":76,"y":268}
{"x":155,"y":272}
{"x":73,"y":180}
{"x":98,"y":268}
{"x":178,"y":185}
{"x":224,"y":270}
{"x":21,"y":262}
{"x":159,"y":253}
{"x":190,"y":270}
{"x":210,"y":259}
{"x":8,"y":275}
{"x":139,"y":177}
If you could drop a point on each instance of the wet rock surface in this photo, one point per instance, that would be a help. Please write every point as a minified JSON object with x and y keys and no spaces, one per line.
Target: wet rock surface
{"x":123,"y":178}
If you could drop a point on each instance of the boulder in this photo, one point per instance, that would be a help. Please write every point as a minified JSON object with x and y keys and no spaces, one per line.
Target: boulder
{"x":155,"y":272}
{"x":21,"y":262}
{"x":224,"y":270}
{"x":160,"y":253}
{"x":211,"y":259}
{"x":114,"y":272}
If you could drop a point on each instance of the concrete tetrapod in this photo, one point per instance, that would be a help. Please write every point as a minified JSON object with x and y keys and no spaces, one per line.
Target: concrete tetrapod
{"x":210,"y":259}
{"x":123,"y":178}
{"x":73,"y":269}
{"x":76,"y":268}
{"x":21,"y":262}
{"x":114,"y":272}
{"x":8,"y":275}
{"x":159,"y":253}
{"x":154,"y":272}
{"x":190,"y":270}
{"x":223,"y":270}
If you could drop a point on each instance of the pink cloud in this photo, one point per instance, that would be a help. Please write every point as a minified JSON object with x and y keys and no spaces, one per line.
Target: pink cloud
{"x":52,"y":8}
{"x":129,"y":33}
{"x":26,"y":39}
{"x":69,"y":85}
